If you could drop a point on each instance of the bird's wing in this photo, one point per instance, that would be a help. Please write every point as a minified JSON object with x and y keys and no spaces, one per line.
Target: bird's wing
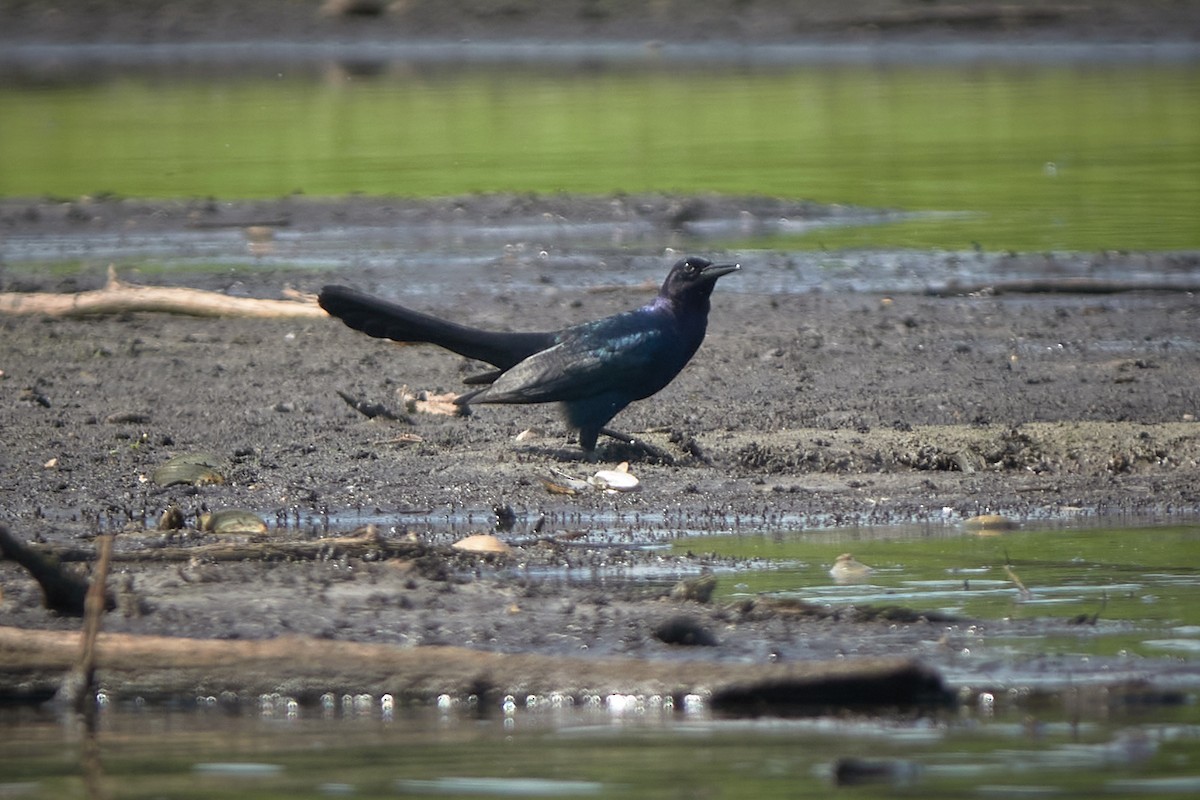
{"x":596,"y":360}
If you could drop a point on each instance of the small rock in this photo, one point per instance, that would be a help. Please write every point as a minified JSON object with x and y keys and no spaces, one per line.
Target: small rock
{"x":858,"y":771}
{"x":698,"y":589}
{"x":506,"y":518}
{"x":197,"y":469}
{"x":171,"y":519}
{"x":847,"y":570}
{"x":127,"y":417}
{"x":232,"y":520}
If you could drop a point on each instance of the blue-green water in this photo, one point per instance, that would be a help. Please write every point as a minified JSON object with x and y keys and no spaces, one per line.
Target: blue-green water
{"x":1002,"y":157}
{"x":1103,"y":708}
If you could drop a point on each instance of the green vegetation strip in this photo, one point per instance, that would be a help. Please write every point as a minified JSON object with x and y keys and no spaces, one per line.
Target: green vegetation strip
{"x":1047,"y":158}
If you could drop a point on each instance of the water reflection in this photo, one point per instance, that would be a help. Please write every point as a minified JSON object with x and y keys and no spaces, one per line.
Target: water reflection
{"x":974,"y":144}
{"x":1103,"y":706}
{"x":592,"y":751}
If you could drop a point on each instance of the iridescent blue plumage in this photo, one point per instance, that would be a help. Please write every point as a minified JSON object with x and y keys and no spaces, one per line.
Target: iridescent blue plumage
{"x":594,"y":369}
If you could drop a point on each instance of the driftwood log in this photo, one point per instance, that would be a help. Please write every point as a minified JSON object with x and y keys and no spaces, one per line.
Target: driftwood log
{"x":119,"y":297}
{"x":31,"y":662}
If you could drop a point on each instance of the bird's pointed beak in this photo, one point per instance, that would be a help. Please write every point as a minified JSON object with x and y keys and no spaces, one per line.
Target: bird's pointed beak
{"x":714,"y":271}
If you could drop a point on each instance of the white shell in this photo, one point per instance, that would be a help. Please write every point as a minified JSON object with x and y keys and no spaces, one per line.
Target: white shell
{"x":614,"y":479}
{"x":528,"y":435}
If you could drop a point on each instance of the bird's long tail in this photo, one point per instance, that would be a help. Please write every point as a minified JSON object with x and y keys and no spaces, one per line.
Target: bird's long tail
{"x":385,"y":320}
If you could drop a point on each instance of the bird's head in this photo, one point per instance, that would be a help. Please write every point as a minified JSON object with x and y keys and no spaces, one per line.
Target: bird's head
{"x":692,"y":280}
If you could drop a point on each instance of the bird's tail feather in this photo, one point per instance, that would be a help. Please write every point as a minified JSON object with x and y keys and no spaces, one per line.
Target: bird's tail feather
{"x":386,"y":320}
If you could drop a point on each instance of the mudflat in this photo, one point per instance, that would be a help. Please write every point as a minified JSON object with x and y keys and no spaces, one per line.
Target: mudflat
{"x":715,"y":22}
{"x":800,"y":410}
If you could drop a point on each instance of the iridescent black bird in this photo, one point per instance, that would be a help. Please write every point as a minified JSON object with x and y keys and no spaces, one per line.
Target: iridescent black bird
{"x":594,"y":369}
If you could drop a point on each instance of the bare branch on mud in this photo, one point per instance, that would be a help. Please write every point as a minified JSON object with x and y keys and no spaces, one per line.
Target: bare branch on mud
{"x":62,"y":590}
{"x":153,"y":666}
{"x":118,"y":297}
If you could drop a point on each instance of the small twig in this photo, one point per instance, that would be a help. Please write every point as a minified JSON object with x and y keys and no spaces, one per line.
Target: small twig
{"x":79,"y":684}
{"x":1012,"y":576}
{"x":372,"y":410}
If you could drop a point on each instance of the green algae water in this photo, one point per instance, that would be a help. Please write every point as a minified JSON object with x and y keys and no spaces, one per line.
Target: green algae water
{"x":1000,"y":157}
{"x":1143,"y":584}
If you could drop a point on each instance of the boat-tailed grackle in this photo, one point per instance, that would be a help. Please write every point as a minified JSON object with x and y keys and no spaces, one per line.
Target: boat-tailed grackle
{"x":593,"y":369}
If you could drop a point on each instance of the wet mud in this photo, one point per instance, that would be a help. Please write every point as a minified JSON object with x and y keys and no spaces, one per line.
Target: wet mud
{"x":800,"y":410}
{"x":822,"y":404}
{"x":726,"y":22}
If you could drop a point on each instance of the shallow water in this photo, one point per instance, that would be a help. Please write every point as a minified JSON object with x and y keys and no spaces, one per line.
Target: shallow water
{"x":1134,"y":592}
{"x":627,"y":747}
{"x":1000,"y":156}
{"x":1104,"y":707}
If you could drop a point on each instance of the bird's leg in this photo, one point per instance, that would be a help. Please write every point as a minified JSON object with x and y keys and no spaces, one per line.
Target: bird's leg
{"x":647,"y":449}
